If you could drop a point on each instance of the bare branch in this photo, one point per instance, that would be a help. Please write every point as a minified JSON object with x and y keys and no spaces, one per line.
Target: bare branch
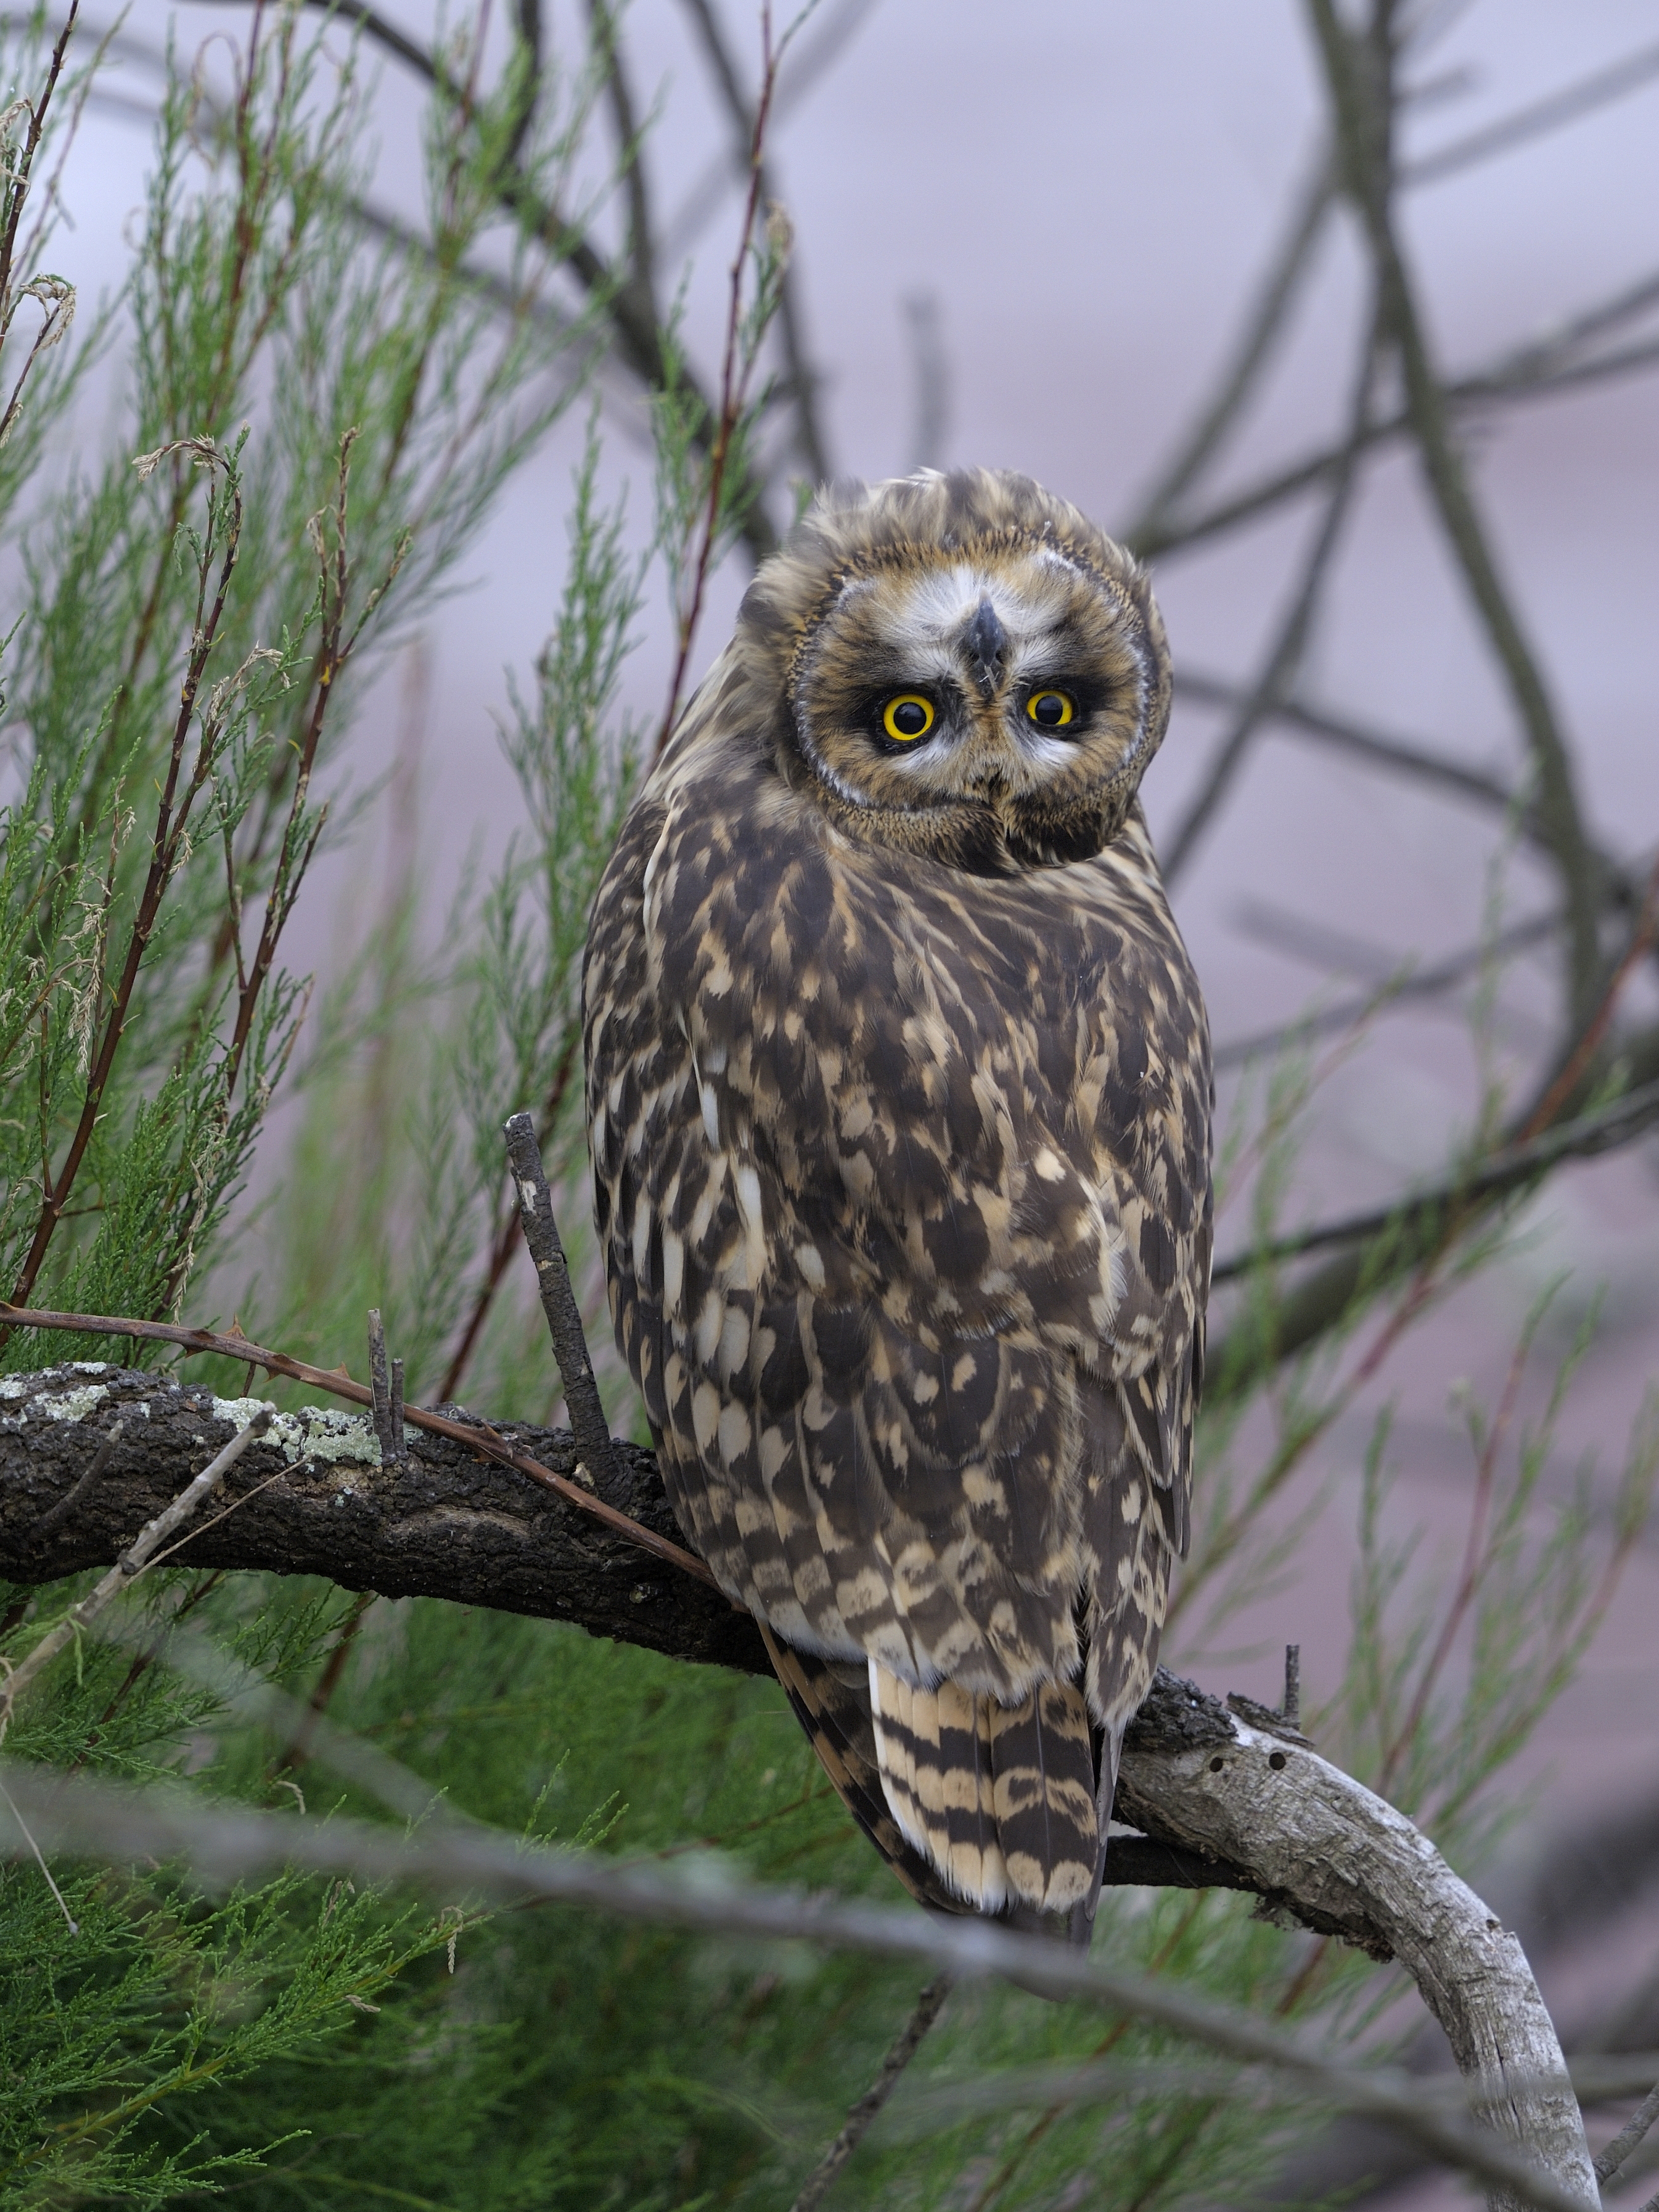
{"x":1263,"y":326}
{"x":804,"y":378}
{"x":1399,"y":755}
{"x":564,"y":1320}
{"x":1628,"y":2137}
{"x":1326,"y":1832}
{"x":1407,"y":984}
{"x":1427,"y":1213}
{"x":1358,"y":77}
{"x":1283,"y":659}
{"x":642,"y":237}
{"x":1535,"y":121}
{"x":1532,"y":371}
{"x":930,"y":367}
{"x":905,"y":2047}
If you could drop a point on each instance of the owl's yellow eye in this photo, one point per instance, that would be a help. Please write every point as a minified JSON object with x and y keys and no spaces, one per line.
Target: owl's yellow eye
{"x":1051,"y":710}
{"x":907,"y":717}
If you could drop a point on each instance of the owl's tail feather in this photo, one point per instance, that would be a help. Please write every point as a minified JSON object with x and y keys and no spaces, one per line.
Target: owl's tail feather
{"x":1082,"y":1926}
{"x":933,"y":1751}
{"x":1001,"y":1799}
{"x":831,"y":1701}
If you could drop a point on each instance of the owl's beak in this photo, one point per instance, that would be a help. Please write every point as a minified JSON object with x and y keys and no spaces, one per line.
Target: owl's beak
{"x":986,"y":641}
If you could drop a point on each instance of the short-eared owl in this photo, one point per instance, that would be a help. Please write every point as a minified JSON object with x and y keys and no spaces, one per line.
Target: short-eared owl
{"x":898,"y":1092}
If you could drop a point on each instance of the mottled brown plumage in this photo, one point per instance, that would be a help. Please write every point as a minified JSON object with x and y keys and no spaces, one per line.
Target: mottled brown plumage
{"x":898,"y":1094}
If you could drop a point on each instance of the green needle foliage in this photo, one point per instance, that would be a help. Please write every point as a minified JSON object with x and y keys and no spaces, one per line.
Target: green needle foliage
{"x":318,"y":411}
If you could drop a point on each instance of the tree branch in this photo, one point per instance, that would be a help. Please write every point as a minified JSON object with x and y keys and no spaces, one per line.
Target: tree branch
{"x":1332,"y":1845}
{"x":803,"y":377}
{"x":443,"y":1522}
{"x":1425,"y":1214}
{"x":1534,"y":121}
{"x":1263,"y":326}
{"x":634,"y":325}
{"x":1407,"y":984}
{"x":1377,"y":748}
{"x":1531,"y":371}
{"x":1628,"y":2137}
{"x":1359,"y":76}
{"x":821,"y":2180}
{"x":1284,"y":656}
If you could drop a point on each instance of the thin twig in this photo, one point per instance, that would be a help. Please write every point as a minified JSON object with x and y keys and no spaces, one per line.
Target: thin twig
{"x":1509,"y":1168}
{"x":930,"y":368}
{"x":167,"y":843}
{"x":1263,"y":328}
{"x":1377,"y":747}
{"x":1541,"y":116}
{"x":1290,"y":1707}
{"x":803,"y":377}
{"x":805,"y":66}
{"x":81,"y":1814}
{"x":734,"y":381}
{"x":564,"y":1322}
{"x":131,"y":1564}
{"x":1358,"y":76}
{"x":39,"y":1858}
{"x":1472,"y":1574}
{"x":504,"y":1242}
{"x":400,"y":1449}
{"x":603,"y":31}
{"x":1283,"y":662}
{"x":298,"y":1749}
{"x":821,"y":2179}
{"x":387,"y":1426}
{"x":479,"y":1436}
{"x":1628,"y":2137}
{"x":54,"y":1518}
{"x":18,"y":181}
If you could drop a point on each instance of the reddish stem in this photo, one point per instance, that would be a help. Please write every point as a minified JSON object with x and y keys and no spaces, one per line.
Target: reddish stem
{"x":477,"y":1436}
{"x":733,"y":386}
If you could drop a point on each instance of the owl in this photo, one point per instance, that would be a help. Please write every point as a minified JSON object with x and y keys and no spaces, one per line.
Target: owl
{"x":898,"y":1094}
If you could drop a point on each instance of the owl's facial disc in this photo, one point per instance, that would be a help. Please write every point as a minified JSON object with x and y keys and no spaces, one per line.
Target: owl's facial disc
{"x":1013,"y":683}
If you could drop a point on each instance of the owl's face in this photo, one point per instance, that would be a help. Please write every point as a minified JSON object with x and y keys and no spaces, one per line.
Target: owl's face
{"x":980,"y":675}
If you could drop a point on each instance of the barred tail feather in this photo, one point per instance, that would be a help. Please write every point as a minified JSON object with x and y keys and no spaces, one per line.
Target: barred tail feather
{"x":999,"y":1798}
{"x":933,"y":1751}
{"x":832,"y":1704}
{"x":1042,"y":1759}
{"x":976,"y":1805}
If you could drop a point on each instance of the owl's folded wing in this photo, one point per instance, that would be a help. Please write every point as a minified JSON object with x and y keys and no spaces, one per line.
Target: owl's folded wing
{"x":865,"y":1274}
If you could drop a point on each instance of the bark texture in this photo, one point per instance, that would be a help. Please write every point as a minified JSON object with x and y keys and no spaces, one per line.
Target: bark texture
{"x":1327,"y":1852}
{"x":1225,"y":1799}
{"x":439,"y":1523}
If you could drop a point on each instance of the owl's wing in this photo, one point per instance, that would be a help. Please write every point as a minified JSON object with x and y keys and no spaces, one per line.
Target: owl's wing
{"x":858,"y":1271}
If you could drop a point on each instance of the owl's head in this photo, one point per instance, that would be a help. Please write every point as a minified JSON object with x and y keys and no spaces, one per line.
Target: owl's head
{"x":961,"y":666}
